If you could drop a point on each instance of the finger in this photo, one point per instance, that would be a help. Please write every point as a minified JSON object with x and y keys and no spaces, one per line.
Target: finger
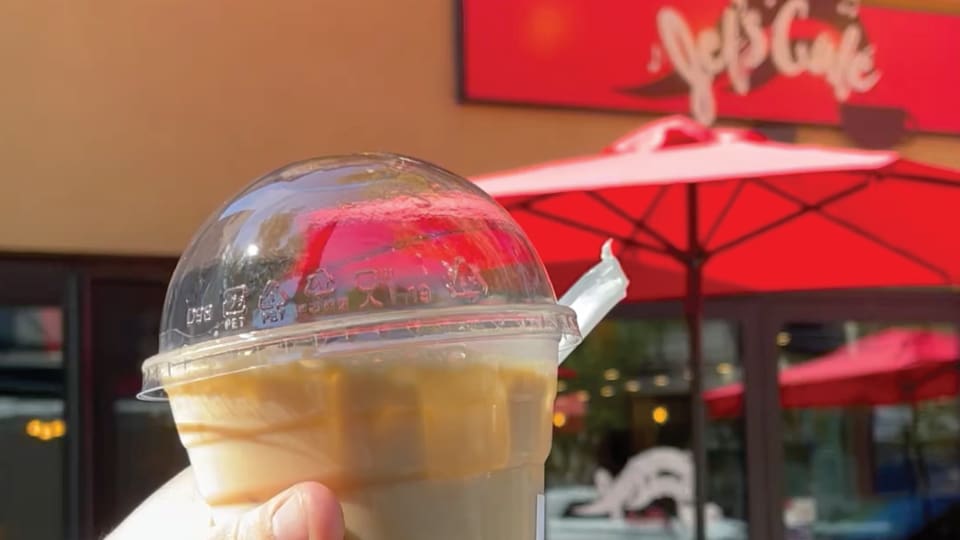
{"x":313,"y":506}
{"x":307,"y":511}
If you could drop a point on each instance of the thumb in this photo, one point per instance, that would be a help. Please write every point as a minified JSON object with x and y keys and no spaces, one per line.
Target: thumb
{"x":307,"y":511}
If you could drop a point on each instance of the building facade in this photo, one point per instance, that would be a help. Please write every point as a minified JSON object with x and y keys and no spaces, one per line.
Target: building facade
{"x":126,"y":124}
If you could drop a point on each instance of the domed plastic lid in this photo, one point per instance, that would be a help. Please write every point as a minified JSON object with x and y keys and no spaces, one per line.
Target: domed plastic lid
{"x":349,"y":251}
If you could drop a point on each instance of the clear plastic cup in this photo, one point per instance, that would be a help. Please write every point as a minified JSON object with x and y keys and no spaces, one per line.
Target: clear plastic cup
{"x":379,"y":325}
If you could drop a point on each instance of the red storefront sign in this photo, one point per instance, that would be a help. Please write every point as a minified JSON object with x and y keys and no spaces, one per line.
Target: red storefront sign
{"x":827,"y":62}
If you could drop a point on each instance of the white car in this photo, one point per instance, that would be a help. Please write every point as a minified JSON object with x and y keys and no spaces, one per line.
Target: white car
{"x":562,"y":527}
{"x":600,"y":512}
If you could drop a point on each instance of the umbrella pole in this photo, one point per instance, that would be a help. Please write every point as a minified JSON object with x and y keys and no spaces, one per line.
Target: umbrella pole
{"x":919,"y":462}
{"x":693,"y":310}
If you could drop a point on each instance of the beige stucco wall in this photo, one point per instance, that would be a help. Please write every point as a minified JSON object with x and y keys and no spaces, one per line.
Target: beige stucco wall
{"x":124,"y":123}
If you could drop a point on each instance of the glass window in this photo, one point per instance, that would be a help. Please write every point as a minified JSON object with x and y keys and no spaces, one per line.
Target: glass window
{"x":147,"y":451}
{"x":871,"y":431}
{"x":620,"y":465}
{"x":32,"y":428}
{"x":137,"y":448}
{"x":31,"y":337}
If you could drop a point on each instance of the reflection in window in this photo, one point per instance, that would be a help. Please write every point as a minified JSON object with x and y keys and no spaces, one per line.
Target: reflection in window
{"x":31,"y":337}
{"x":148,"y":451}
{"x":620,"y":462}
{"x":871,"y":434}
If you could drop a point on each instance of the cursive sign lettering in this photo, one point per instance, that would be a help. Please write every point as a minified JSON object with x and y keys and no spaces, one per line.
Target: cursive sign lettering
{"x":740,"y":45}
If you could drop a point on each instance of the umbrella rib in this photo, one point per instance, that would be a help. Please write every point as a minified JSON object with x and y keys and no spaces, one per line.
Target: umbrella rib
{"x":916,"y":259}
{"x":585,"y":227}
{"x":654,"y":202}
{"x":637,"y":223}
{"x":922,"y":179}
{"x":947,"y":367}
{"x":856,"y":229}
{"x":804,"y":208}
{"x":724,"y":212}
{"x":528,"y":203}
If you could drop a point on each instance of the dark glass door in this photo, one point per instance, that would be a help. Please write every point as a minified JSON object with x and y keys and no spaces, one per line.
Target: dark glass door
{"x":77,"y":451}
{"x":136,"y":448}
{"x":33,"y":428}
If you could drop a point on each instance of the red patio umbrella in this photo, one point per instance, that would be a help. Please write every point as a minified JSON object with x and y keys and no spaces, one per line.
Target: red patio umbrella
{"x":729,"y":212}
{"x":893,"y":366}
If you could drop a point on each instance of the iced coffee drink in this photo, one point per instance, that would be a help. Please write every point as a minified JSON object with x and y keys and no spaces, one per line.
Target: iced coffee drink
{"x":410,"y":439}
{"x":408,"y":363}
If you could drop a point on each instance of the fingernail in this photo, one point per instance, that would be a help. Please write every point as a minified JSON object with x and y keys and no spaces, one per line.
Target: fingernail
{"x":290,"y":521}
